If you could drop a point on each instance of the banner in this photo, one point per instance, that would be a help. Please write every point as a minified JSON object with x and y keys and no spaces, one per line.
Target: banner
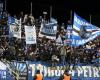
{"x":30,"y":34}
{"x":68,"y":35}
{"x":48,"y":30}
{"x":27,"y":71}
{"x":15,"y":28}
{"x":22,"y":69}
{"x":83,"y":31}
{"x":11,"y":20}
{"x":87,"y":72}
{"x":8,"y":70}
{"x":2,"y":71}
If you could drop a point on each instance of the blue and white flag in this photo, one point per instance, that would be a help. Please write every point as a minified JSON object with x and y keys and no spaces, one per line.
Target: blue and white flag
{"x":68,"y":35}
{"x":52,"y":20}
{"x":30,"y":34}
{"x":11,"y":20}
{"x":49,"y":30}
{"x":59,"y":40}
{"x":69,"y":32}
{"x":14,"y":27}
{"x":83,"y":31}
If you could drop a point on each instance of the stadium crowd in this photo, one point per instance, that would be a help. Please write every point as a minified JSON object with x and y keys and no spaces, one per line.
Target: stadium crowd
{"x":46,"y":50}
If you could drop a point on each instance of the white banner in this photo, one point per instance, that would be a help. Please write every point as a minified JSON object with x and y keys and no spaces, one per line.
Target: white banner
{"x":49,"y":30}
{"x":15,"y":29}
{"x":30,"y":34}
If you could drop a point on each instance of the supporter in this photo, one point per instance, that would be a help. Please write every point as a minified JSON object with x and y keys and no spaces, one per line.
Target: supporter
{"x":55,"y":60}
{"x":25,"y":21}
{"x":63,"y":55}
{"x":38,"y":76}
{"x":66,"y":76}
{"x":32,"y":19}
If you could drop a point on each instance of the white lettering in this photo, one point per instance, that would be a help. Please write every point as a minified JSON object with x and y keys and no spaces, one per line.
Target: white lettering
{"x":52,"y":73}
{"x":57,"y":73}
{"x":80,"y":71}
{"x":96,"y":72}
{"x":72,"y":72}
{"x":90,"y":72}
{"x":81,"y":22}
{"x":33,"y":69}
{"x":85,"y":71}
{"x":45,"y":71}
{"x":49,"y":73}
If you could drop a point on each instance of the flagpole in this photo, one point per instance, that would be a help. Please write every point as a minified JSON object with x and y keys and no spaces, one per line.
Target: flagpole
{"x":50,"y":12}
{"x":5,"y":5}
{"x":36,"y":40}
{"x":44,"y":13}
{"x":90,"y":17}
{"x":71,"y":22}
{"x":31,"y":7}
{"x":71,"y":15}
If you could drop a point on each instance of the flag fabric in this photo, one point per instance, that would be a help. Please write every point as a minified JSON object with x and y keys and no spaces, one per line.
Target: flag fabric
{"x":83,"y":31}
{"x":49,"y":30}
{"x":69,"y":34}
{"x":14,"y":27}
{"x":11,"y":20}
{"x":53,"y":21}
{"x":30,"y":34}
{"x":59,"y":40}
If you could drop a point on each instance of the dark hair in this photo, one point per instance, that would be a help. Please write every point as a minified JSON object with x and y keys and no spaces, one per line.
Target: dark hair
{"x":66,"y":72}
{"x":38,"y":71}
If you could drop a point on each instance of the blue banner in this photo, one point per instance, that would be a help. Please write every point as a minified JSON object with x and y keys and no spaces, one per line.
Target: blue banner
{"x":80,"y":73}
{"x":87,"y":72}
{"x":11,"y":20}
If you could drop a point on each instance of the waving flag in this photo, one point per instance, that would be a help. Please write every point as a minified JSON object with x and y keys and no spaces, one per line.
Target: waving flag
{"x":83,"y":31}
{"x":49,"y":29}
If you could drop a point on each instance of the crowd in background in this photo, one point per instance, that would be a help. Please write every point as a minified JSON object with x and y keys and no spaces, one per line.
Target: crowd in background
{"x":46,"y":50}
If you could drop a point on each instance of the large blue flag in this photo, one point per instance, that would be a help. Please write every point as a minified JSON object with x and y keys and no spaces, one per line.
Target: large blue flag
{"x":83,"y":31}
